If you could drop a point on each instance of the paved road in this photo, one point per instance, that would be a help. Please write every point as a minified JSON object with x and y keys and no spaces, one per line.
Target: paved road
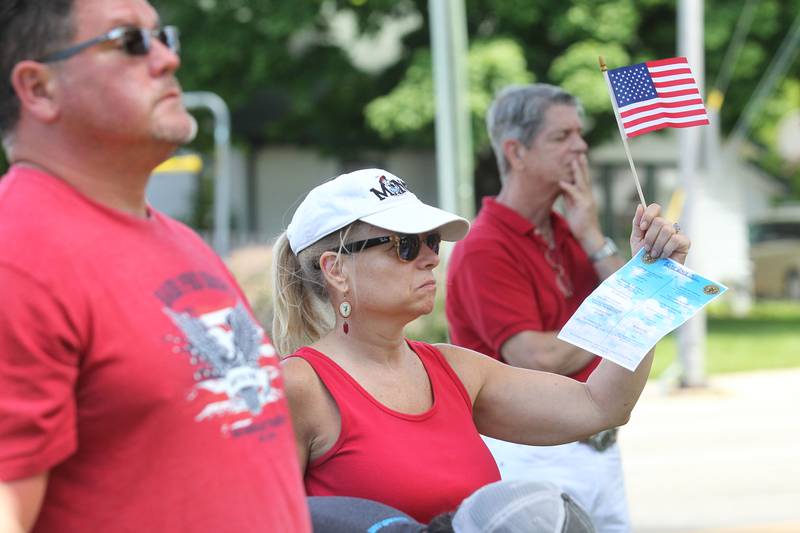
{"x":724,"y":459}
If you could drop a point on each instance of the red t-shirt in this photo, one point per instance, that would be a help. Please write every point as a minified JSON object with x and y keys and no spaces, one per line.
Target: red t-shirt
{"x":422,"y":464}
{"x":499,"y":282}
{"x":132,"y":370}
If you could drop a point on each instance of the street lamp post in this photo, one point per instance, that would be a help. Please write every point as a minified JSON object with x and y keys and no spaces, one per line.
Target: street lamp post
{"x":222,"y":164}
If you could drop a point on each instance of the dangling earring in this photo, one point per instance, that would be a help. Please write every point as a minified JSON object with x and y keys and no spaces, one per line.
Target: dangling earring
{"x":344,"y":310}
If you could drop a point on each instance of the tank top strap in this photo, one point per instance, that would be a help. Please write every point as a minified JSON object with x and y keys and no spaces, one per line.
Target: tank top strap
{"x":441,"y":372}
{"x":355,"y":402}
{"x":338,"y":382}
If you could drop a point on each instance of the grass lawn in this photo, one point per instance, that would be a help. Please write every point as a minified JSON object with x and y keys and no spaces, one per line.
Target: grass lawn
{"x":768,"y":338}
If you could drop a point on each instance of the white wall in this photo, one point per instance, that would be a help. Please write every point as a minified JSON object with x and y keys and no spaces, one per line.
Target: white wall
{"x":172,"y":193}
{"x":284,"y":175}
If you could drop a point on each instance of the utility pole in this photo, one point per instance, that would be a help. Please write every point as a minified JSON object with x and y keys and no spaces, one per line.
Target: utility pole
{"x":692,"y":335}
{"x":725,"y":181}
{"x":453,"y":127}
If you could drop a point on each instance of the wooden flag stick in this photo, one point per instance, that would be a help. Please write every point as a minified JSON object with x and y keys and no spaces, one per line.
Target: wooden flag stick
{"x":604,"y":70}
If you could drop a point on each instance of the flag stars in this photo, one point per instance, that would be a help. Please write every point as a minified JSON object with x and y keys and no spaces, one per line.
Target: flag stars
{"x":632,"y":84}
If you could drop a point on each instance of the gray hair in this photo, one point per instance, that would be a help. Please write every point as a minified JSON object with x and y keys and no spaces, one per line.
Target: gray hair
{"x":28,"y":30}
{"x":518,"y":113}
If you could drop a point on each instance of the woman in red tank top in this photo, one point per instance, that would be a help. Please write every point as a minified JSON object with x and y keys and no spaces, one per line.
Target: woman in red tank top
{"x":380,"y":417}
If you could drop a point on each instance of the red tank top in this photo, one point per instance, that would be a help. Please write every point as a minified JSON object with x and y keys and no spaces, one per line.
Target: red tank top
{"x":422,"y":464}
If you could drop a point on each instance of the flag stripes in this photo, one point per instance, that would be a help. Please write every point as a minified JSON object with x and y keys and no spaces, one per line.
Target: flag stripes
{"x":665,"y":103}
{"x":657,"y":94}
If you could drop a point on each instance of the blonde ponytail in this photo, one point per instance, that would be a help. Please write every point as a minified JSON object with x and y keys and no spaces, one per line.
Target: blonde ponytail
{"x":303,"y":311}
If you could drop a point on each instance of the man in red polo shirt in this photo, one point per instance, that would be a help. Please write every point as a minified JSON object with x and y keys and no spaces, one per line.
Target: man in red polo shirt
{"x":524,"y":269}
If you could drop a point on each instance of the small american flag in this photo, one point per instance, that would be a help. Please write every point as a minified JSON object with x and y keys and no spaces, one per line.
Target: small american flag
{"x":657,"y":94}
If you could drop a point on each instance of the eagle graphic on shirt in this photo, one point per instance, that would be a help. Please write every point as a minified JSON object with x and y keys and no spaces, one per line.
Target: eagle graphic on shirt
{"x":227,"y":347}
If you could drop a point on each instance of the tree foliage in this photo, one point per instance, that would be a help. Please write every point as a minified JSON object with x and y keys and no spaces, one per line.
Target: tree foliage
{"x":561,"y":43}
{"x":277,"y":67}
{"x":289,"y":79}
{"x":409,"y":109}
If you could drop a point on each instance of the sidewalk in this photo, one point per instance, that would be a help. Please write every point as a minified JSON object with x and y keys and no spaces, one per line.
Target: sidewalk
{"x":724,"y":459}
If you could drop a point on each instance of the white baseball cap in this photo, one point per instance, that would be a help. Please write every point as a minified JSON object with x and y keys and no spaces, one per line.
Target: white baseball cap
{"x":373,"y":196}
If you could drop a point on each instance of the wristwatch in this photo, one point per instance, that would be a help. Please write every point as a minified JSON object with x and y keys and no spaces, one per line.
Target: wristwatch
{"x":607,"y":250}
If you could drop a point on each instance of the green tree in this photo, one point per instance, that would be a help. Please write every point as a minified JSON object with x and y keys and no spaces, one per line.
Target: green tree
{"x":561,"y":42}
{"x":277,"y":67}
{"x":289,"y":81}
{"x":409,"y":109}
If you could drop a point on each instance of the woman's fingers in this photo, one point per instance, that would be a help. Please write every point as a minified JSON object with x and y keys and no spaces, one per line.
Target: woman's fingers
{"x":658,"y":236}
{"x":664,"y":234}
{"x":637,"y":217}
{"x":662,"y":239}
{"x":649,"y":215}
{"x":677,"y":245}
{"x":642,"y":221}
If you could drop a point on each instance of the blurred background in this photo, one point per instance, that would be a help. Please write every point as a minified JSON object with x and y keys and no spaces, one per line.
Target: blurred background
{"x":289,"y":93}
{"x":316,"y":88}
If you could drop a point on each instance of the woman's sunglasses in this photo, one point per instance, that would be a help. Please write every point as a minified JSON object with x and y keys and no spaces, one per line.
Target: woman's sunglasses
{"x":132,"y":41}
{"x":406,"y":246}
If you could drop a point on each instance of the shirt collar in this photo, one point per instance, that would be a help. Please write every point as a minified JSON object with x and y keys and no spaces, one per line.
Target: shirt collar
{"x":519,"y":224}
{"x":507,"y":216}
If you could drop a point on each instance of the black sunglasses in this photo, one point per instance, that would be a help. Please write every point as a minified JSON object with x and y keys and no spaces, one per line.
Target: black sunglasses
{"x":406,"y":246}
{"x":132,"y":41}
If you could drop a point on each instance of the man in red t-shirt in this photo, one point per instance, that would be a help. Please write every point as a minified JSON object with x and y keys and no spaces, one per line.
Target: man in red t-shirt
{"x":137,"y":392}
{"x":524,"y":269}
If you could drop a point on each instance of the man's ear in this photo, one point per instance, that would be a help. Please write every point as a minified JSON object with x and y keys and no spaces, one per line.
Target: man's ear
{"x":35,"y":85}
{"x":512,"y":149}
{"x":333,"y":269}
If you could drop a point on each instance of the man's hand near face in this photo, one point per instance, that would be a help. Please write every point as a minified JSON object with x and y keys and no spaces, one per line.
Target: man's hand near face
{"x":580,"y":211}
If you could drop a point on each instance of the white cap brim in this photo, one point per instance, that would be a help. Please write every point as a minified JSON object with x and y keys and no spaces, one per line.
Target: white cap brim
{"x":375,"y":197}
{"x":413,"y":217}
